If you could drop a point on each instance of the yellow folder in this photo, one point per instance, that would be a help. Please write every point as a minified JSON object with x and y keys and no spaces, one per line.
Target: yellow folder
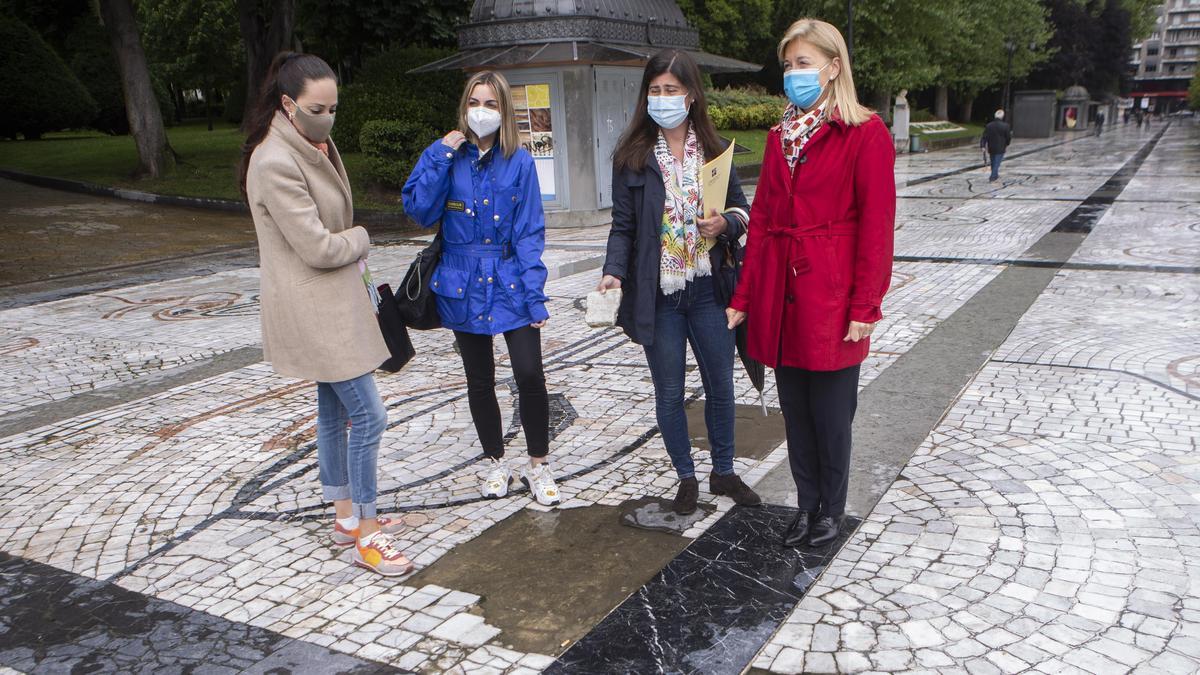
{"x":714,"y":180}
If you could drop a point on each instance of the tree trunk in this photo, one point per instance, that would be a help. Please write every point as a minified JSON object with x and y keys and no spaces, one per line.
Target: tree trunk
{"x":968,"y":107}
{"x":141,"y":105}
{"x":941,"y":103}
{"x":264,"y":37}
{"x":882,"y":102}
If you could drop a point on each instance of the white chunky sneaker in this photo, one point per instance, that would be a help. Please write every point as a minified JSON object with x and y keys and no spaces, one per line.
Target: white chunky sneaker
{"x":497,"y":479}
{"x":540,"y":482}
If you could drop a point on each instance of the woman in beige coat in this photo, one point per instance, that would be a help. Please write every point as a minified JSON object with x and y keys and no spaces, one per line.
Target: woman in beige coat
{"x":317,"y":319}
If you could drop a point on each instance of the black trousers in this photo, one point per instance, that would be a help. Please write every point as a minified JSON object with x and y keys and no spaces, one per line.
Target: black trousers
{"x":818,"y":410}
{"x":479,"y":362}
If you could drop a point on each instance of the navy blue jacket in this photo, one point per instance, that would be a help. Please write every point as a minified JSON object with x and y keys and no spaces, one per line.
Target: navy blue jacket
{"x":491,"y":278}
{"x":635,"y":245}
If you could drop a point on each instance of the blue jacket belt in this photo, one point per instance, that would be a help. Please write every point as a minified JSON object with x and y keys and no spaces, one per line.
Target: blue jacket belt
{"x":478,"y":250}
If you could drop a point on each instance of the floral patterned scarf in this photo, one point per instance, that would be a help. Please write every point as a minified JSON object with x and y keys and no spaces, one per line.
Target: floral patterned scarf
{"x":797,"y":128}
{"x":684,"y":252}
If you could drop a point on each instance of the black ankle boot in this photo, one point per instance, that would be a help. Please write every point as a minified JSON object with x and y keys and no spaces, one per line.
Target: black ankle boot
{"x":731,"y":486}
{"x":797,"y":532}
{"x":685,"y":499}
{"x":825,"y":530}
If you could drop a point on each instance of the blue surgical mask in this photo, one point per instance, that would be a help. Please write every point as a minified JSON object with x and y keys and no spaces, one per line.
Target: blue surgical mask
{"x":667,"y":112}
{"x":803,"y":86}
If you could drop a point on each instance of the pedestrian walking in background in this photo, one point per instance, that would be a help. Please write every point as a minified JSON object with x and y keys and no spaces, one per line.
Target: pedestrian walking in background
{"x":318,"y":321}
{"x":1099,"y":122}
{"x":818,"y":264}
{"x":482,"y":186}
{"x":661,"y":255}
{"x":996,"y":137}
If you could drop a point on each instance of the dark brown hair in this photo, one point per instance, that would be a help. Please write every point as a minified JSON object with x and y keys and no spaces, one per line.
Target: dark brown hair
{"x":642,"y":133}
{"x":288,"y":75}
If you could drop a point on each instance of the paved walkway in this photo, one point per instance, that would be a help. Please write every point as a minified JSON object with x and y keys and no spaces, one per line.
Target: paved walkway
{"x":158,"y":484}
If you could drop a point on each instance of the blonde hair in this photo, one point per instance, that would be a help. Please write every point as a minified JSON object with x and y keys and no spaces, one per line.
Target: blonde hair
{"x":828,"y":40}
{"x":510,"y":139}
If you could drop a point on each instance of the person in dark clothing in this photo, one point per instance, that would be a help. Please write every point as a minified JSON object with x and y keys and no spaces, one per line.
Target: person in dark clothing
{"x":996,"y":137}
{"x":1099,"y":123}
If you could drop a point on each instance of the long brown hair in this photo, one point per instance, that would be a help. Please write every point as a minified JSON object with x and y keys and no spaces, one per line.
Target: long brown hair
{"x":642,"y":133}
{"x":288,"y":75}
{"x":509,"y":139}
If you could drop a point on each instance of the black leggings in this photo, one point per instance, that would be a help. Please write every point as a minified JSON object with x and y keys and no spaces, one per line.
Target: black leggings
{"x":818,"y":410}
{"x":533,"y":403}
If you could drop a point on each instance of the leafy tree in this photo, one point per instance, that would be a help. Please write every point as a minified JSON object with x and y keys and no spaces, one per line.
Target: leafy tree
{"x":347,"y":32}
{"x":267,"y":28}
{"x":155,"y":156}
{"x":41,"y":92}
{"x":195,"y":43}
{"x":739,"y":29}
{"x":1194,"y":92}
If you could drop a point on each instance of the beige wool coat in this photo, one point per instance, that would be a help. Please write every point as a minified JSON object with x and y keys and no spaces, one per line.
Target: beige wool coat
{"x":317,"y":319}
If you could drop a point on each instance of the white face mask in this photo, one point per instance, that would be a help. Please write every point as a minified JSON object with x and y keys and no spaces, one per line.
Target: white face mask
{"x":483,"y":121}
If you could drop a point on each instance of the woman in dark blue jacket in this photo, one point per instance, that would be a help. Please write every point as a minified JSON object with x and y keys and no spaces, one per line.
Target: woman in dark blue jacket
{"x":482,"y":186}
{"x":670,"y":261}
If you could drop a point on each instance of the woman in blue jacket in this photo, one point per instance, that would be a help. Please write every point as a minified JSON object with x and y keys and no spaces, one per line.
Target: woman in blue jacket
{"x":482,"y":186}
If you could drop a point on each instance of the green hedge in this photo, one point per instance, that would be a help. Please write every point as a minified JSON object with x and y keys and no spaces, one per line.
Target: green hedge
{"x":41,"y":94}
{"x":384,"y":90}
{"x":392,"y":147}
{"x":744,"y":108}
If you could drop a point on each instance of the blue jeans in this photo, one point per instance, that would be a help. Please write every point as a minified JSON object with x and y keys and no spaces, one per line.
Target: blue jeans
{"x":996,"y":159}
{"x":347,"y":460}
{"x":693,"y":316}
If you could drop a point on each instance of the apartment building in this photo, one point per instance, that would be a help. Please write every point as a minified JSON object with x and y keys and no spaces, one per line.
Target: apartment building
{"x":1162,"y":65}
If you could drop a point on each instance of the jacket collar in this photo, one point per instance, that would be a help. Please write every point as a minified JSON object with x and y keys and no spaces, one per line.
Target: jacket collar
{"x":284,"y":129}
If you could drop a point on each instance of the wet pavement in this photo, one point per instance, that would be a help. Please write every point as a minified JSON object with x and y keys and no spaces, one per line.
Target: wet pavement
{"x":1025,"y":467}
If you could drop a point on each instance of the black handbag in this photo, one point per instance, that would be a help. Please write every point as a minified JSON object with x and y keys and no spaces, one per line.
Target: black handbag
{"x":726,"y":261}
{"x":416,"y":303}
{"x":395,"y":333}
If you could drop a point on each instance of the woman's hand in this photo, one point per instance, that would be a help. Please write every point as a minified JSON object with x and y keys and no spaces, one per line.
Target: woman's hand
{"x":609,"y":281}
{"x":734,"y":317}
{"x":713,"y":226}
{"x":540,"y":324}
{"x":454,"y":140}
{"x":858,"y":331}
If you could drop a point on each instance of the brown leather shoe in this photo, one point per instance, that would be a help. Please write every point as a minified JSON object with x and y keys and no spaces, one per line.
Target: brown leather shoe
{"x":733,"y":487}
{"x":685,"y":499}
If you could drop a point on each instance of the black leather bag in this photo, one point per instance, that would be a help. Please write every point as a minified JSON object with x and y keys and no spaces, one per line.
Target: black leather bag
{"x":726,"y":260}
{"x":395,"y":333}
{"x":416,"y":304}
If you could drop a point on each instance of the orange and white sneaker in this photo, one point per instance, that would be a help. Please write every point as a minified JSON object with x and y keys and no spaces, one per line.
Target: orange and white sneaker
{"x":378,"y":553}
{"x":344,"y":537}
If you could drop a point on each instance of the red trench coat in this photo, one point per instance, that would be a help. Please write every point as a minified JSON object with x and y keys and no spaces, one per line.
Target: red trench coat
{"x":819,"y":249}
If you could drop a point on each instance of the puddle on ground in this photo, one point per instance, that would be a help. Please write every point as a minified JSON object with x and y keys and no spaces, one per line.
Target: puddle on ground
{"x":755,"y":436}
{"x":545,"y":578}
{"x":655,"y":513}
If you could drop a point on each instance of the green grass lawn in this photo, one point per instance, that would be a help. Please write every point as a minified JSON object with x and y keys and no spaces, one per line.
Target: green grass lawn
{"x":755,"y":139}
{"x":207,"y":167}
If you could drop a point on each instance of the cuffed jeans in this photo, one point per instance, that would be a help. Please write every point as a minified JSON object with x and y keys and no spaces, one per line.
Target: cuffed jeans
{"x":692,"y":316}
{"x":347,"y":458}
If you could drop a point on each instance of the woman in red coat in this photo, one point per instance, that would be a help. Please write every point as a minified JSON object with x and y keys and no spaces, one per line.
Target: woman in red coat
{"x":818,"y":263}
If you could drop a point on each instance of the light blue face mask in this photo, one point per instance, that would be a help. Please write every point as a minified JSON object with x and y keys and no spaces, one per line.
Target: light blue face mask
{"x":803,"y":85}
{"x":667,"y":112}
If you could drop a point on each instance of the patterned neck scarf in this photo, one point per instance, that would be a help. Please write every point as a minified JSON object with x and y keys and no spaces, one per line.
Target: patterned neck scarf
{"x":797,"y":128}
{"x":684,"y":251}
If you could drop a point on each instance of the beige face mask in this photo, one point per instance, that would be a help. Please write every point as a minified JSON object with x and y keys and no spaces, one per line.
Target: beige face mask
{"x":315,"y":128}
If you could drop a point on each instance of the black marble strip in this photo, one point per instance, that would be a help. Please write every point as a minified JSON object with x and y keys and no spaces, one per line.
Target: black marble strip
{"x":1088,"y":213}
{"x":55,"y":621}
{"x":713,"y":607}
{"x":980,"y":165}
{"x":1055,"y":264}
